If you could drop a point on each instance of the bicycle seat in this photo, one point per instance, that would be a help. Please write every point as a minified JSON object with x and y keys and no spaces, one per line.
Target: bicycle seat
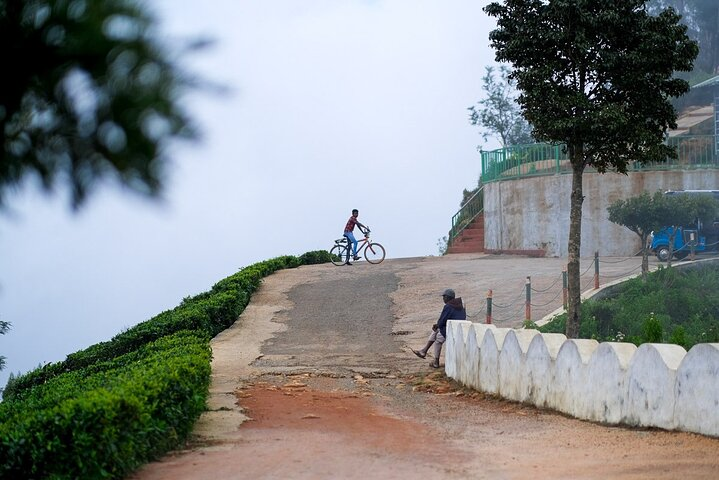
{"x":341,"y":240}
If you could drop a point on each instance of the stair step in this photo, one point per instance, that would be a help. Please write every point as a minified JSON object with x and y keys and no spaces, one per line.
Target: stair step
{"x":459,"y":240}
{"x":475,"y":225}
{"x":471,"y":234}
{"x":471,"y":239}
{"x":465,"y":249}
{"x":468,"y":244}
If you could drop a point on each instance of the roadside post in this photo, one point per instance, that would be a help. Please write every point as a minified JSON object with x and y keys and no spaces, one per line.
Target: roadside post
{"x":596,"y":270}
{"x":489,"y":307}
{"x":528,"y":299}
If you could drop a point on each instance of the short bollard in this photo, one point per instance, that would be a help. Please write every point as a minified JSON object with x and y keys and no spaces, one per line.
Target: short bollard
{"x":528,"y":300}
{"x":489,"y":307}
{"x":692,"y":244}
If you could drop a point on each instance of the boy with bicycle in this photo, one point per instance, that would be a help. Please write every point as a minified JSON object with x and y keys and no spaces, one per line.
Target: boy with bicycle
{"x":349,"y":228}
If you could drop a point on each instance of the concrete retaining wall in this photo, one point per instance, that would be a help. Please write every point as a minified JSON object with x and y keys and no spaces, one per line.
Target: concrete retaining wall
{"x":655,"y":385}
{"x":531,"y":214}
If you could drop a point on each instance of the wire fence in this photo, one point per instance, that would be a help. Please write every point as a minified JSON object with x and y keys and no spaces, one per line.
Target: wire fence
{"x":549,"y":293}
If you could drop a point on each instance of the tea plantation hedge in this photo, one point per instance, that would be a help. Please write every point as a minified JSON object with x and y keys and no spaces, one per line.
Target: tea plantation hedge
{"x":116,"y":405}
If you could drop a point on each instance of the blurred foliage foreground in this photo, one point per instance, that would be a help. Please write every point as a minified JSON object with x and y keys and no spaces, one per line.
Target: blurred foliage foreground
{"x":106,"y":410}
{"x":675,"y":305}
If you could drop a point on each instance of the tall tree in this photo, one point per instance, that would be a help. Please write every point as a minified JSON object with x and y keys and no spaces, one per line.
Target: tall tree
{"x":707,"y":19}
{"x":642,"y":215}
{"x":595,"y":76}
{"x":498,"y":113}
{"x":86,"y":92}
{"x":4,"y":327}
{"x":702,"y":19}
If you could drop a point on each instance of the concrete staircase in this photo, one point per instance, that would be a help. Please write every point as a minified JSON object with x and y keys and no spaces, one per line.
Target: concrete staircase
{"x":471,"y":239}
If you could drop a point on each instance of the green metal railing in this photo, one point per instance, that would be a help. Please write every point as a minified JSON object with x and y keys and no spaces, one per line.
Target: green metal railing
{"x":469,"y":211}
{"x":694,"y":151}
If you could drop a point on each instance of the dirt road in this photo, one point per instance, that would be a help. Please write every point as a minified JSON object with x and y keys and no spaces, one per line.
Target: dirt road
{"x":316,"y":380}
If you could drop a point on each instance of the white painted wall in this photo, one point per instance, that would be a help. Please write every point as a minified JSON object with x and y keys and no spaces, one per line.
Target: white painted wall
{"x":655,"y":385}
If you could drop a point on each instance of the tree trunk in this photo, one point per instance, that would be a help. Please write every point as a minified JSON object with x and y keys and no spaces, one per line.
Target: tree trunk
{"x":672,"y":239}
{"x":645,"y":257}
{"x":575,"y":243}
{"x":715,"y":44}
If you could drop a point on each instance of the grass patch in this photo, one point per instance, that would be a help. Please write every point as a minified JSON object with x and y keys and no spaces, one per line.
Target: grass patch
{"x":675,"y":305}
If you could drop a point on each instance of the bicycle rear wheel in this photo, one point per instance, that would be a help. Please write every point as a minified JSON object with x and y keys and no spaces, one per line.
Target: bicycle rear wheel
{"x":338,"y":253}
{"x":374,"y":253}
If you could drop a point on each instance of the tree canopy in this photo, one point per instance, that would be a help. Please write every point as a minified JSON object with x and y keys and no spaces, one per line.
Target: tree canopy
{"x":595,"y":76}
{"x":641,"y":214}
{"x":4,"y":327}
{"x":498,"y":112}
{"x":87,"y":92}
{"x":645,"y":213}
{"x":702,"y":20}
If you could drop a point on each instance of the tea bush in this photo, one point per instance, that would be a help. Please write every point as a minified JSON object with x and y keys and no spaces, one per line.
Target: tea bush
{"x":115,"y":405}
{"x":313,"y":258}
{"x":105,"y":420}
{"x":211,"y":312}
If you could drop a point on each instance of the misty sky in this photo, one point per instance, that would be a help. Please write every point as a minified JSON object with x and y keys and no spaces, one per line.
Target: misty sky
{"x":332,"y":105}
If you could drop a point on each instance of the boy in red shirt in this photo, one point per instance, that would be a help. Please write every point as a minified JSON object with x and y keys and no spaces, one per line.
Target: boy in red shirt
{"x":349,"y":228}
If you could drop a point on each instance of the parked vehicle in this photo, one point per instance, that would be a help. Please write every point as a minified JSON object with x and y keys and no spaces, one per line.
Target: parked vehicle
{"x":702,"y":237}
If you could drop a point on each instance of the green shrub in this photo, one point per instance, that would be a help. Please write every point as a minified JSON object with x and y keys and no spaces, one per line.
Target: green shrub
{"x":315,"y":257}
{"x":678,"y":336}
{"x":652,"y":329}
{"x":211,"y":312}
{"x":105,"y":420}
{"x":115,"y":405}
{"x":683,"y":302}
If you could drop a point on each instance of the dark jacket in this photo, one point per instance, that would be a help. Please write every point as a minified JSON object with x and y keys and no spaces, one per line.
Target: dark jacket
{"x":453,"y":310}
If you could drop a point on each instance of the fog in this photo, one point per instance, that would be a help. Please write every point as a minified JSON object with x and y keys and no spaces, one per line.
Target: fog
{"x":331,"y":105}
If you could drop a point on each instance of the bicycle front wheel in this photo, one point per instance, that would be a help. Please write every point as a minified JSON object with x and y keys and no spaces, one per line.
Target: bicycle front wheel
{"x":338,"y":254}
{"x":374,"y":253}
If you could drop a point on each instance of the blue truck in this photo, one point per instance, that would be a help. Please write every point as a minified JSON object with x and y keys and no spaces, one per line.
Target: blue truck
{"x":703,"y":237}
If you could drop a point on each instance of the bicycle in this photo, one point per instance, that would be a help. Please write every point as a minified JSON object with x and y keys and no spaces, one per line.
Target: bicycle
{"x":341,"y":251}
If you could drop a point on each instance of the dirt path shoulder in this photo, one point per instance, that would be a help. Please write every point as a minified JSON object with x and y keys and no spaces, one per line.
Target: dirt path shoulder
{"x":315,"y":380}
